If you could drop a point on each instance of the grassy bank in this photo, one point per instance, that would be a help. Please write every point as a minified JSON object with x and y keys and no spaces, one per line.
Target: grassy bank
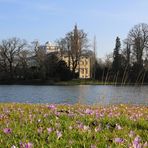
{"x":76,"y":126}
{"x":93,"y":82}
{"x":82,"y":82}
{"x":61,"y":83}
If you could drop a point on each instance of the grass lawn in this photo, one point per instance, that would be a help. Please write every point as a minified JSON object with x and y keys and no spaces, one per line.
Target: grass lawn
{"x":76,"y":126}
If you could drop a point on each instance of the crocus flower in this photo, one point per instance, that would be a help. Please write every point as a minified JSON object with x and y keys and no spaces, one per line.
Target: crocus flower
{"x":86,"y":128}
{"x":26,"y":145}
{"x":21,"y":145}
{"x":93,"y":146}
{"x":45,"y":115}
{"x":29,"y":145}
{"x":139,"y":145}
{"x":80,"y":126}
{"x":145,"y":145}
{"x":7,"y":130}
{"x":97,"y":129}
{"x":39,"y":120}
{"x":53,"y":107}
{"x":118,"y":127}
{"x":136,"y":142}
{"x":88,"y":111}
{"x":57,"y":113}
{"x":137,"y":139}
{"x":59,"y":134}
{"x":49,"y":130}
{"x":131,"y":134}
{"x":40,"y":129}
{"x":119,"y":140}
{"x":13,"y":146}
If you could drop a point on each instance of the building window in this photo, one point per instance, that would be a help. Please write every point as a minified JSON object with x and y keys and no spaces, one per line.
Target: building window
{"x":82,"y":62}
{"x":82,"y":71}
{"x":86,"y":70}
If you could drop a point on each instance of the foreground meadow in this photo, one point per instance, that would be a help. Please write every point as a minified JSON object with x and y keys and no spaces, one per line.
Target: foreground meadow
{"x":76,"y":126}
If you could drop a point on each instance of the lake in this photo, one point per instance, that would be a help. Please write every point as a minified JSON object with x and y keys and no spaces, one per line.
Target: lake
{"x":85,"y":94}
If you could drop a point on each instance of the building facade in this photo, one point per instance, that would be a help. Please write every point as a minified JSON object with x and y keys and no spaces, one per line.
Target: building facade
{"x":84,"y":66}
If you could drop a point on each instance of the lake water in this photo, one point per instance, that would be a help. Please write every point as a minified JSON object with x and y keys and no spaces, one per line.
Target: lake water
{"x":85,"y":94}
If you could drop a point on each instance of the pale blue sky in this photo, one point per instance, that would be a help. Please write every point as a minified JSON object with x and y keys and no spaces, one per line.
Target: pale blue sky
{"x":48,"y":20}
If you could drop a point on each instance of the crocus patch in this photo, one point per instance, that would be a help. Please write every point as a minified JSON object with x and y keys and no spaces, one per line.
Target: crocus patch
{"x":33,"y":126}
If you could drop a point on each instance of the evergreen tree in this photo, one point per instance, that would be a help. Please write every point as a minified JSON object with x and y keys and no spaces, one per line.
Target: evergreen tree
{"x":116,"y":56}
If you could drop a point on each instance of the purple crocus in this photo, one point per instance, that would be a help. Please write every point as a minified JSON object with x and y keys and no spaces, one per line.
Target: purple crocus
{"x":93,"y":146}
{"x":80,"y":126}
{"x":88,"y":111}
{"x":52,"y":106}
{"x":7,"y":130}
{"x":26,"y":145}
{"x":49,"y":130}
{"x":40,"y":130}
{"x":29,"y":145}
{"x":118,"y":127}
{"x":145,"y":145}
{"x":97,"y":129}
{"x":136,"y":142}
{"x":118,"y":140}
{"x":59,"y":134}
{"x":131,"y":134}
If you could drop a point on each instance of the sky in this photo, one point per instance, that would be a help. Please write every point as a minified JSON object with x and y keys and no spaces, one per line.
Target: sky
{"x":50,"y":20}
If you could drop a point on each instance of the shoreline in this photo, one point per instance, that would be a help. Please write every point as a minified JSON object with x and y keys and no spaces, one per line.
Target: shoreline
{"x":68,"y":83}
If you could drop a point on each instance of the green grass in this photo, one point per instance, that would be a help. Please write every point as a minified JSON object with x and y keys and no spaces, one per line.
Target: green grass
{"x":76,"y":126}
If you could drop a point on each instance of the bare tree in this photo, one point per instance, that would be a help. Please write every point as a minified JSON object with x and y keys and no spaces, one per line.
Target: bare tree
{"x":9,"y":51}
{"x":74,"y":43}
{"x":138,"y":38}
{"x":108,"y":60}
{"x":39,"y":53}
{"x":23,"y":66}
{"x":127,"y":51}
{"x":62,"y":45}
{"x":78,"y":44}
{"x":40,"y":57}
{"x":23,"y":56}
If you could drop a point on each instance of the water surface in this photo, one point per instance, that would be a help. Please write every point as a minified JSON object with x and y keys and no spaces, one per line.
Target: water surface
{"x":85,"y":94}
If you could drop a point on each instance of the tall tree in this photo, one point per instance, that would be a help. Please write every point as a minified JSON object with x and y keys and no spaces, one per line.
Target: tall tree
{"x":138,"y":37}
{"x":116,"y":56}
{"x":9,"y":50}
{"x":74,"y":43}
{"x":127,"y":51}
{"x":23,"y":68}
{"x":94,"y":58}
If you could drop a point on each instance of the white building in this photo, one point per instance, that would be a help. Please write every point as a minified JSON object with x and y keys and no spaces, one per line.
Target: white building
{"x":84,"y":67}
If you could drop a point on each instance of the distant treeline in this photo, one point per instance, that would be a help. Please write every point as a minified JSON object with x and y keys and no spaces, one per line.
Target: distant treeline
{"x":129,"y":63}
{"x":20,"y":60}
